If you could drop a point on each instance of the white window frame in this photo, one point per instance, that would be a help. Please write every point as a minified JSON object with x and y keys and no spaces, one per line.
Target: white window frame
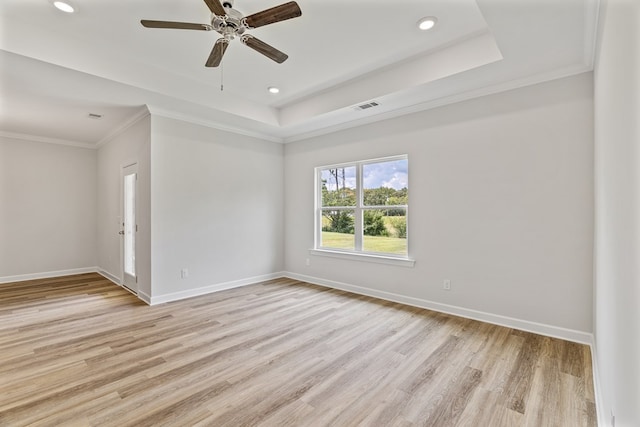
{"x":357,"y":254}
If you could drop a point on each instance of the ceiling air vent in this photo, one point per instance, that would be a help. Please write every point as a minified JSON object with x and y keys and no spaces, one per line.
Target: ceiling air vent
{"x":367,"y":105}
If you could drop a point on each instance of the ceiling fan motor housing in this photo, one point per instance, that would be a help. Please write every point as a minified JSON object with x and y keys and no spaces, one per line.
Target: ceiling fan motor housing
{"x":230,"y":25}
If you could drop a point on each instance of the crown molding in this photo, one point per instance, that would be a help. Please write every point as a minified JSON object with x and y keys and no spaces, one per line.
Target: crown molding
{"x":141,"y":114}
{"x":170,"y":114}
{"x":447,"y":100}
{"x":48,"y":140}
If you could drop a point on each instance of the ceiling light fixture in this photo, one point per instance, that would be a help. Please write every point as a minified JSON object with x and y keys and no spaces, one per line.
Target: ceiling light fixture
{"x":63,"y":6}
{"x":427,"y":23}
{"x":274,"y":90}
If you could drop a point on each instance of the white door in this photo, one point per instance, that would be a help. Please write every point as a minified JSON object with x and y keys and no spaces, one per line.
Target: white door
{"x":129,"y":226}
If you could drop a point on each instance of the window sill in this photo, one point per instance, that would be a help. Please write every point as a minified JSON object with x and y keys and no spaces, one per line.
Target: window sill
{"x":379,"y":259}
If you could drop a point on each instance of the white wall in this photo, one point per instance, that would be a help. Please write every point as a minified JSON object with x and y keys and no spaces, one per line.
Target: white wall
{"x":131,"y":146}
{"x":47,"y":208}
{"x":617,"y":256}
{"x":217,"y":208}
{"x":501,"y":203}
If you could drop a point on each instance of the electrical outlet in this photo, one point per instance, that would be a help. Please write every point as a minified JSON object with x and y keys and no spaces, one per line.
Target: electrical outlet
{"x":308,"y":261}
{"x":184,"y":273}
{"x":446,"y":285}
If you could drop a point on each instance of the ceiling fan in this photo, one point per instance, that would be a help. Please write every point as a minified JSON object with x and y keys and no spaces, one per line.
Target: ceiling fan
{"x":230,"y":23}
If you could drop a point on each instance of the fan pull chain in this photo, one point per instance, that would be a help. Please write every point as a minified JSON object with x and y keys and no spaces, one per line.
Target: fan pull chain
{"x":222,"y":77}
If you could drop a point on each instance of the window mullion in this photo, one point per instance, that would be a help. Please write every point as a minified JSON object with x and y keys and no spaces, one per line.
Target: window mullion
{"x":318,"y":214}
{"x":358,"y":212}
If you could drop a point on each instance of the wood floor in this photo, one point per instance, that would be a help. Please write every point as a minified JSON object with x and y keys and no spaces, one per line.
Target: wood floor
{"x":81,"y":351}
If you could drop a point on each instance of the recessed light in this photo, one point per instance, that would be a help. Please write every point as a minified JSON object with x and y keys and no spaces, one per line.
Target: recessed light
{"x":63,"y":6}
{"x":427,"y":23}
{"x":273,"y":89}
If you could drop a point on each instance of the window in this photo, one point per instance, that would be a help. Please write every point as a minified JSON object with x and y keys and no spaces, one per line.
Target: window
{"x":362,"y":207}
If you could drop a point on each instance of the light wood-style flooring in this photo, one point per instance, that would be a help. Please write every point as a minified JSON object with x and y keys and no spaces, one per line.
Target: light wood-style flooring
{"x":79,"y":350}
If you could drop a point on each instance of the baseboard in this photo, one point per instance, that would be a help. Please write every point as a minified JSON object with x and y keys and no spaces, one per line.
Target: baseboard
{"x":524,"y":325}
{"x":597,"y":388}
{"x":160,"y":299}
{"x":104,"y":273}
{"x":144,"y":297}
{"x":510,"y":322}
{"x":117,"y":281}
{"x":47,"y":274}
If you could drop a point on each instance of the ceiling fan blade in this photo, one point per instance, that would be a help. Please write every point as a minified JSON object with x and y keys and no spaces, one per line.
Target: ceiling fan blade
{"x":275,"y":14}
{"x":217,"y":53}
{"x":175,"y":25}
{"x":265,"y":49}
{"x":215,"y":7}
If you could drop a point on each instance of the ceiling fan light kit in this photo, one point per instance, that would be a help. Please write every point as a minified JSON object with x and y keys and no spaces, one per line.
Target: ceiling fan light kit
{"x":230,"y":23}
